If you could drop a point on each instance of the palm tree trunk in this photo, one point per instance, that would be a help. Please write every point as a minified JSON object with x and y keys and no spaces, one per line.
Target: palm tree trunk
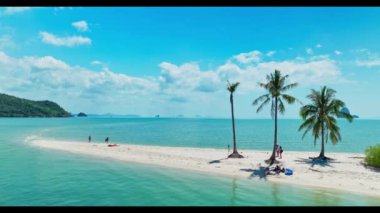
{"x":322,"y":154}
{"x":233,"y":122}
{"x":272,"y":158}
{"x":235,"y":153}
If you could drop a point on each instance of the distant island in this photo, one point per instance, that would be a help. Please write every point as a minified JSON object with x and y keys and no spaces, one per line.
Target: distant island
{"x":81,"y":114}
{"x":11,"y":106}
{"x":345,"y":110}
{"x":110,"y":115}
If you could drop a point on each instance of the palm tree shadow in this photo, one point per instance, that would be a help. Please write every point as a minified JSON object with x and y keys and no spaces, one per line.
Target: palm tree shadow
{"x":372,"y":168}
{"x":319,"y":162}
{"x":257,"y":172}
{"x":217,"y":161}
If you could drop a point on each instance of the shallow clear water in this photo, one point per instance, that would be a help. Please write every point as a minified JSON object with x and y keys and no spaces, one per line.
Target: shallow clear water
{"x":32,"y":176}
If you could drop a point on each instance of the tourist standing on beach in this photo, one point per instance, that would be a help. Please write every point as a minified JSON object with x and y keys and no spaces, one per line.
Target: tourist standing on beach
{"x":89,"y":139}
{"x":277,"y":149}
{"x":107,"y":139}
{"x":281,"y":151}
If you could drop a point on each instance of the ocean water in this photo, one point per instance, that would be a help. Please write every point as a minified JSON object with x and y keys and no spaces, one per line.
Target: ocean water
{"x":34,"y":177}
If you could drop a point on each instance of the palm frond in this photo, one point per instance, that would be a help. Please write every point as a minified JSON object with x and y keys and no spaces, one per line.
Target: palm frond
{"x":346,"y":116}
{"x":290,"y":99}
{"x":308,"y":122}
{"x":259,"y":99}
{"x":321,"y":114}
{"x":289,"y":86}
{"x":274,"y":84}
{"x":262,"y":105}
{"x":231,"y":87}
{"x":281,"y":107}
{"x":262,"y":85}
{"x":308,"y":110}
{"x":306,"y":131}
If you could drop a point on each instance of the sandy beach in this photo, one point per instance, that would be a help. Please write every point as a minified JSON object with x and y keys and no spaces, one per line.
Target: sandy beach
{"x":345,"y":172}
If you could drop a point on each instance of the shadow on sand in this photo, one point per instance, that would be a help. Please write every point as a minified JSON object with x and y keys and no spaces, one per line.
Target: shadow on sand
{"x":217,"y":161}
{"x":372,"y":168}
{"x":319,"y":162}
{"x":256,"y":172}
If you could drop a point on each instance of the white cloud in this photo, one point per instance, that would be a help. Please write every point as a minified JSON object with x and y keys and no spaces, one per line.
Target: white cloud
{"x":187,"y":77}
{"x":97,"y":62}
{"x":319,"y":57}
{"x":6,"y":42}
{"x":78,"y":88}
{"x":363,"y":50}
{"x":71,"y":41}
{"x":13,"y":10}
{"x":4,"y":58}
{"x":45,"y":63}
{"x":271,"y":53}
{"x":368,"y":63}
{"x":253,"y":56}
{"x":312,"y":72}
{"x":318,"y":46}
{"x":367,"y":58}
{"x":81,"y":26}
{"x":50,"y":78}
{"x":309,"y":51}
{"x":337,"y":52}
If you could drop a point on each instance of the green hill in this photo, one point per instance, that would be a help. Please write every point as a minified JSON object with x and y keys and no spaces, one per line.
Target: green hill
{"x":11,"y":106}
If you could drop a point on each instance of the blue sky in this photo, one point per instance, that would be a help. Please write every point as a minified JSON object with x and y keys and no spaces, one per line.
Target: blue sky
{"x":177,"y":60}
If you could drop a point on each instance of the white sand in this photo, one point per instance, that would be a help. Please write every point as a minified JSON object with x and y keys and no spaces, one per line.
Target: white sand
{"x":344,"y":173}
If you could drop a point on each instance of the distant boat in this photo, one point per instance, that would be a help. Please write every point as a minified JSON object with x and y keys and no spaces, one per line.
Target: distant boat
{"x":157,"y":116}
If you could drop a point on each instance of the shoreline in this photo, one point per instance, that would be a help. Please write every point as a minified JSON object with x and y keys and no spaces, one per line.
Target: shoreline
{"x":345,"y":173}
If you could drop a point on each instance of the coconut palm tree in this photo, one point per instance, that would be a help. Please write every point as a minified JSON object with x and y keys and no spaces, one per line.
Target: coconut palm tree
{"x":320,"y":117}
{"x":232,"y":88}
{"x":276,"y":88}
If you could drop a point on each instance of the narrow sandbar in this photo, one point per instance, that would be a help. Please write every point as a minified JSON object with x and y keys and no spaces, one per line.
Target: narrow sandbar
{"x":346,"y":172}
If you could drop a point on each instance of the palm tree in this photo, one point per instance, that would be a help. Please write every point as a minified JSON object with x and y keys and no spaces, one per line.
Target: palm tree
{"x":232,"y":88}
{"x":276,"y":88}
{"x":319,"y":116}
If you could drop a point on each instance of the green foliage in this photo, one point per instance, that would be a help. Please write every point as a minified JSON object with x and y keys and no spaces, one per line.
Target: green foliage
{"x":11,"y":106}
{"x":276,"y":88}
{"x":231,"y":87}
{"x":373,"y":156}
{"x":320,"y":115}
{"x":82,"y":114}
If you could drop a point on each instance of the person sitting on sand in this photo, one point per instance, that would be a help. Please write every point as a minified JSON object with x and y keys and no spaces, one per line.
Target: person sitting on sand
{"x":278,"y":169}
{"x":267,"y":171}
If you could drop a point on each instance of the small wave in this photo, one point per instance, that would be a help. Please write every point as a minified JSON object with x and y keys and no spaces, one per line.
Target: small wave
{"x":31,"y":138}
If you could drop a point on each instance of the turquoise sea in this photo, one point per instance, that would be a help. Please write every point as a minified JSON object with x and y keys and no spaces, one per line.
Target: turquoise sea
{"x":35,"y":177}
